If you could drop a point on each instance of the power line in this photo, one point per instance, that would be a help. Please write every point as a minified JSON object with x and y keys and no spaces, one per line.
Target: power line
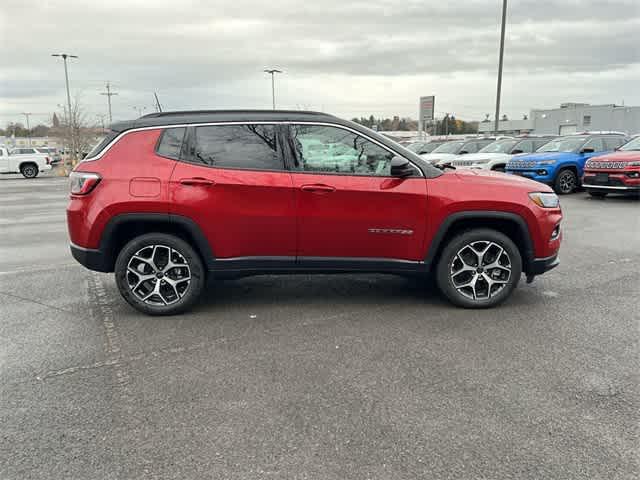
{"x":26,"y":114}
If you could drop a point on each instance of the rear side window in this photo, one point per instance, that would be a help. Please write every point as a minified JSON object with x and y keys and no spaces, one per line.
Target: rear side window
{"x":170,"y":144}
{"x":101,"y":145}
{"x":253,"y":147}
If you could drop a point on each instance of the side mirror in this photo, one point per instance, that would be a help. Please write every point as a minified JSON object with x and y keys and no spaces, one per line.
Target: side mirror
{"x":516,"y":152}
{"x":587,"y":150}
{"x":400,"y":167}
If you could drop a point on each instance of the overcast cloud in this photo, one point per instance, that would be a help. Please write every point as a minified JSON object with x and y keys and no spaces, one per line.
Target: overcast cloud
{"x":346,"y":57}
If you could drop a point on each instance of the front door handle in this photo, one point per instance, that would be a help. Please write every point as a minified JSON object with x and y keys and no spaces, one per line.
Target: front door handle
{"x":197,"y":182}
{"x":319,"y":188}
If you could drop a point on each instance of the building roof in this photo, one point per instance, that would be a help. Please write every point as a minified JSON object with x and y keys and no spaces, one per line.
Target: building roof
{"x":207,"y":116}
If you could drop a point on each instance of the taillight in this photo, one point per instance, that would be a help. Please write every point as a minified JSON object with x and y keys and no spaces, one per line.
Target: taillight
{"x":82,"y":183}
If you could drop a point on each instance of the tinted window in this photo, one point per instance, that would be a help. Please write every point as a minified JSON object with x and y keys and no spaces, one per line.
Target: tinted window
{"x":101,"y":145}
{"x":472,"y":147}
{"x":335,"y":150}
{"x":611,"y":143}
{"x":595,"y":144}
{"x":238,"y":146}
{"x":171,"y":142}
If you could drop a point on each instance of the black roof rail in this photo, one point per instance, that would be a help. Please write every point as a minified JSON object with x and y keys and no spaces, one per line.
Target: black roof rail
{"x":239,"y":111}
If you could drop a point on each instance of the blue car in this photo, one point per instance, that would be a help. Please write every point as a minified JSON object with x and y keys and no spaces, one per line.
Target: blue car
{"x":560,"y":162}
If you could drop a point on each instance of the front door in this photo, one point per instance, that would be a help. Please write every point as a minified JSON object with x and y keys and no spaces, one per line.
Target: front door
{"x":233,"y":184}
{"x":348,"y":204}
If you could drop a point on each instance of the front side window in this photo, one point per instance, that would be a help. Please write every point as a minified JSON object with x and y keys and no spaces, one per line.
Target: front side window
{"x":595,"y":144}
{"x":450,"y":147}
{"x":633,"y":145}
{"x":525,"y":146}
{"x":171,"y":142}
{"x":563,"y":144}
{"x":326,"y":149}
{"x":501,"y":146}
{"x":253,"y":147}
{"x":611,"y":143}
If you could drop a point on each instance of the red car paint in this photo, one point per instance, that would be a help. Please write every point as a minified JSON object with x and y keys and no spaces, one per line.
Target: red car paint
{"x":621,"y":173}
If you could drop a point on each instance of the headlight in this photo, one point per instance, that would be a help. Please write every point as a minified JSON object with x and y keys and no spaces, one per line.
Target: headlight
{"x":545,"y":200}
{"x":547,"y":162}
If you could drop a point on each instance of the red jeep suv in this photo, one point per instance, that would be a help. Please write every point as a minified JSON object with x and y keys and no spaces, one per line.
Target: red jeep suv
{"x":169,"y":199}
{"x":617,"y":172}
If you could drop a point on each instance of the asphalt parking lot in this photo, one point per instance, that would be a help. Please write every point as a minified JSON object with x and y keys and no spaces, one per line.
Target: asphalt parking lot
{"x":345,"y":377}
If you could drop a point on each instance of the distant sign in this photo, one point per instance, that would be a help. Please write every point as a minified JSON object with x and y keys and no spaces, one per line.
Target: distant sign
{"x":427,"y":109}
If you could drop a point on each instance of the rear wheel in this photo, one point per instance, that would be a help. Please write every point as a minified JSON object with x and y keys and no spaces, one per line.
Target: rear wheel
{"x":159,"y":274}
{"x":29,"y":170}
{"x":479,"y":269}
{"x":598,"y":194}
{"x":566,"y":182}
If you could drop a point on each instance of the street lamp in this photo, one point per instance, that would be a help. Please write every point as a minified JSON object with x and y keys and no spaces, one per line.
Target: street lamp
{"x":272,"y":72}
{"x":504,"y":22}
{"x":66,"y":77}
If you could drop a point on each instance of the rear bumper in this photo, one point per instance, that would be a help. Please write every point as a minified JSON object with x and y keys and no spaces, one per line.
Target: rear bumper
{"x":90,"y":258}
{"x":542,"y":265}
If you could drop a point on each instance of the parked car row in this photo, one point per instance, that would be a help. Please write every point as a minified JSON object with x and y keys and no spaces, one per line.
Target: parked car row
{"x":602,"y":162}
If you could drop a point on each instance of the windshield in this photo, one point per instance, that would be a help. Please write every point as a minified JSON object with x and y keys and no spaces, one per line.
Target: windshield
{"x":567,"y":144}
{"x":633,"y":145}
{"x":414,"y":147}
{"x":501,"y":146}
{"x":450,"y":147}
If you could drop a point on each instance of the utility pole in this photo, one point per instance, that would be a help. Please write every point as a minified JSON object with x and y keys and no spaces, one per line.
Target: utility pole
{"x":109,"y":94}
{"x":272,"y":72}
{"x":26,"y":114}
{"x":140,"y":110}
{"x":101,"y":118}
{"x":498,"y":93}
{"x":66,"y":77}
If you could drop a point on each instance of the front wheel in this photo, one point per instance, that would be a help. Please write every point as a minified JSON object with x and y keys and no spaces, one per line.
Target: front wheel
{"x":479,"y":269}
{"x":159,"y":274}
{"x":30,"y":170}
{"x":566,"y":182}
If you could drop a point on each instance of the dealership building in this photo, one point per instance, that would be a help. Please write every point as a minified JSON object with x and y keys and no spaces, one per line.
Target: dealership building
{"x":571,"y":118}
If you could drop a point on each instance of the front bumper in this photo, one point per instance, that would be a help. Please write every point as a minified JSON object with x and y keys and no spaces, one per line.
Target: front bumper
{"x":543,"y":175}
{"x":90,"y":258}
{"x":542,"y":265}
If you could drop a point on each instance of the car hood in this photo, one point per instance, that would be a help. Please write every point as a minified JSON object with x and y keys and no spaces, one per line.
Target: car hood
{"x":483,"y":156}
{"x":497,"y":179}
{"x":630,"y":156}
{"x":537,"y":157}
{"x":436,"y":157}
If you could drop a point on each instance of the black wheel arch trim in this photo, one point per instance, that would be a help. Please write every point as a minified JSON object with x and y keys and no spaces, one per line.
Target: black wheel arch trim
{"x":449,"y":221}
{"x":106,"y":239}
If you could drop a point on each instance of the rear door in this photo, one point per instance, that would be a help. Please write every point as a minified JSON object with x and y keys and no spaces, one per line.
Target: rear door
{"x":233,"y":184}
{"x":349,"y":207}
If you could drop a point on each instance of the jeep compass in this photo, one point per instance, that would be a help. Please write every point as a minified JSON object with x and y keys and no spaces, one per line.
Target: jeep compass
{"x":170,"y":199}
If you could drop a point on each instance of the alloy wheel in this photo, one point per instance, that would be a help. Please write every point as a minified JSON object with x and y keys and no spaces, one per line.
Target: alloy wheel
{"x":567,"y":182}
{"x":480,"y":270}
{"x":158,"y":275}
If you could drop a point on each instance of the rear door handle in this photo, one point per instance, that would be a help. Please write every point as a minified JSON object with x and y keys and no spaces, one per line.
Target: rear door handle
{"x":197,"y":182}
{"x":317,"y":188}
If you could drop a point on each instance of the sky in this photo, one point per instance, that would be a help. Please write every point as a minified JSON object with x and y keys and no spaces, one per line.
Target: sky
{"x":348,"y":58}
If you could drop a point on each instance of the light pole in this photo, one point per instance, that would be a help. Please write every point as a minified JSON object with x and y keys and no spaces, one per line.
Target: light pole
{"x":272,"y":72}
{"x":66,"y":77}
{"x":504,"y":24}
{"x":26,"y":114}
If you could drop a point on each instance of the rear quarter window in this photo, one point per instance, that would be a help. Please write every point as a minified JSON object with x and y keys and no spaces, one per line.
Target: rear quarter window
{"x":170,"y":144}
{"x":101,"y":145}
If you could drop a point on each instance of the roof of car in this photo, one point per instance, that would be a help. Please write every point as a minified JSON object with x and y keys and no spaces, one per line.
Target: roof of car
{"x":207,"y":116}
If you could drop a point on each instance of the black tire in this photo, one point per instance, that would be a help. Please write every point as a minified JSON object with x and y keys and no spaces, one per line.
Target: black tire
{"x":171,"y":299}
{"x":471,"y":297}
{"x":29,"y":170}
{"x":565,"y":182}
{"x":597,"y":194}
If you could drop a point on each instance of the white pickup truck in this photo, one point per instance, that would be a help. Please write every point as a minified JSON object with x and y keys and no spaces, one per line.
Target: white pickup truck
{"x":29,"y":165}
